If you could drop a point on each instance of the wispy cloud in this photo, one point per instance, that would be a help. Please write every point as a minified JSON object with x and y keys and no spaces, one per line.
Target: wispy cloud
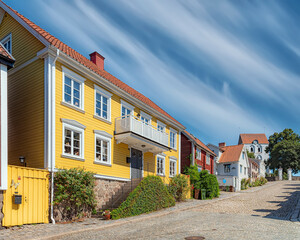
{"x":243,"y":85}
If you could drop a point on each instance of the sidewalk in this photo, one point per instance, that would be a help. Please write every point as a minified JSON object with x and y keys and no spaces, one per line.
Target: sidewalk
{"x":51,"y":231}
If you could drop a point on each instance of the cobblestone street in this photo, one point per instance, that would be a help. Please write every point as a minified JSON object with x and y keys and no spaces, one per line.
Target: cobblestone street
{"x":257,"y":213}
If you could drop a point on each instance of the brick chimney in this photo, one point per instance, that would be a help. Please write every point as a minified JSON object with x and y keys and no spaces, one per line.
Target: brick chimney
{"x":222,"y":144}
{"x":98,"y":59}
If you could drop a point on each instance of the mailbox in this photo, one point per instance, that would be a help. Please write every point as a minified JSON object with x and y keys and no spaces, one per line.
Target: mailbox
{"x":17,"y":199}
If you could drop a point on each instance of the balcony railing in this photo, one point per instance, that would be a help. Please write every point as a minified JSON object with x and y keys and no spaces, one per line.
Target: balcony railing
{"x":130,"y":123}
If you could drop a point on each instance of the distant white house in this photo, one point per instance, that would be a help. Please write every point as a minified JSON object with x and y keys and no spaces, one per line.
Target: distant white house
{"x":232,"y":164}
{"x":256,"y":143}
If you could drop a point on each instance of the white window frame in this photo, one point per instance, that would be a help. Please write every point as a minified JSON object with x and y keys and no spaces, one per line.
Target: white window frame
{"x":207,"y":159}
{"x":128,"y":106}
{"x":228,"y":168}
{"x":198,"y":153}
{"x":77,"y":78}
{"x":106,"y":139}
{"x":146,"y":116}
{"x":163,"y":165}
{"x":172,"y":160}
{"x":76,"y":129}
{"x":106,"y":94}
{"x":175,"y":138}
{"x":6,"y":39}
{"x":162,"y":125}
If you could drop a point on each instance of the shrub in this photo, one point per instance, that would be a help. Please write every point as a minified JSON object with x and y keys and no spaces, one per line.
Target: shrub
{"x":192,"y":171}
{"x":74,"y":193}
{"x":150,"y":195}
{"x":178,"y":187}
{"x":209,"y":182}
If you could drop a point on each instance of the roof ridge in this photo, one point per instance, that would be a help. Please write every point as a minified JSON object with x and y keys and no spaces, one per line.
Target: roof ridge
{"x":89,"y":64}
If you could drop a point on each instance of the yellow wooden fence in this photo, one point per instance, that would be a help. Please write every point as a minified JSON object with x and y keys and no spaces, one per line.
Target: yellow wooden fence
{"x":32,"y":184}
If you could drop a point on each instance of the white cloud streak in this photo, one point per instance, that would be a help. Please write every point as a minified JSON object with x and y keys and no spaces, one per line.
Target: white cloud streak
{"x":217,"y":113}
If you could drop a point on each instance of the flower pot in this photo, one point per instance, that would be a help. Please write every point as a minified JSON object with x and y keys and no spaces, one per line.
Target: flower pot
{"x":196,"y":194}
{"x":107,"y":216}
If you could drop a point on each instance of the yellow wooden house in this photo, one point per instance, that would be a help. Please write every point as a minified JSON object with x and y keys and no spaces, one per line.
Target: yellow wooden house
{"x":66,"y":111}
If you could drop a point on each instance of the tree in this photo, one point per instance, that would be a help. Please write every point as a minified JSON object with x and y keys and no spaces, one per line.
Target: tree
{"x":284,"y":148}
{"x":286,"y":134}
{"x":250,"y":154}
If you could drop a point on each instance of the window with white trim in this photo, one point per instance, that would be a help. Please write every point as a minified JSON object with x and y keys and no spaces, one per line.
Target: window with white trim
{"x":73,"y":88}
{"x":173,"y":138}
{"x":73,"y":141}
{"x":160,"y":165}
{"x":103,"y":149}
{"x":145,"y":118}
{"x":227,"y":168}
{"x":126,"y":108}
{"x":173,"y":164}
{"x":241,"y":169}
{"x":6,"y":42}
{"x":161,"y":126}
{"x":259,"y":148}
{"x":207,"y":159}
{"x":102,"y":103}
{"x":252,"y":149}
{"x":198,"y":154}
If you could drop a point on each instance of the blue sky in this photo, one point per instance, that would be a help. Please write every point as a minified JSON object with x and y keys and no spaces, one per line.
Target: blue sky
{"x":219,"y":67}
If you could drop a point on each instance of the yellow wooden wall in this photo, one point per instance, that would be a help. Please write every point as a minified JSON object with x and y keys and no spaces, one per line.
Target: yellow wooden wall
{"x":26,"y":115}
{"x":33,"y":185}
{"x":119,"y":166}
{"x":24,"y":44}
{"x":25,"y":97}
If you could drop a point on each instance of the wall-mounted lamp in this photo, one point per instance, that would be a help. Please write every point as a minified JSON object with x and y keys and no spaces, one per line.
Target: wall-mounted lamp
{"x":138,"y":115}
{"x":143,"y":146}
{"x":22,"y":160}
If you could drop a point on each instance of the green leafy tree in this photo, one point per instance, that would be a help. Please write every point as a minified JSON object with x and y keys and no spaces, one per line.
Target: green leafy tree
{"x":250,"y":154}
{"x":284,"y":148}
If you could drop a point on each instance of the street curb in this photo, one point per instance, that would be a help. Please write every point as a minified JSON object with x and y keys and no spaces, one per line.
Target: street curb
{"x":134,"y":219}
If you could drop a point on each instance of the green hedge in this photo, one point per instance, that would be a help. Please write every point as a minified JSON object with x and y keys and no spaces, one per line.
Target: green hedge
{"x":210,"y":183}
{"x":74,"y":193}
{"x":150,"y":195}
{"x":178,"y":187}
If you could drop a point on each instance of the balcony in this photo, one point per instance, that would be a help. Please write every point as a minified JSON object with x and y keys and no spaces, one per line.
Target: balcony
{"x":137,"y":134}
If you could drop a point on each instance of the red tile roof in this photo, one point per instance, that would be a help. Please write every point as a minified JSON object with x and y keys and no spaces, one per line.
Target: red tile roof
{"x":231,"y":154}
{"x":248,"y":138}
{"x":252,"y":160}
{"x":87,"y":63}
{"x":199,"y":143}
{"x":5,"y":53}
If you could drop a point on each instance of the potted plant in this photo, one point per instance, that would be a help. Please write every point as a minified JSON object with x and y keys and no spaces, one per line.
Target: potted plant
{"x":106,"y":214}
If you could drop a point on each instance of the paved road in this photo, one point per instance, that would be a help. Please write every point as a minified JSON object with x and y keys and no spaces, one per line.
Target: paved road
{"x":253,"y":214}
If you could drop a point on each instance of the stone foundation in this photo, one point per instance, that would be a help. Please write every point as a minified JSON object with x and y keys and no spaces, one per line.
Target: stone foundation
{"x":1,"y":206}
{"x":104,"y":189}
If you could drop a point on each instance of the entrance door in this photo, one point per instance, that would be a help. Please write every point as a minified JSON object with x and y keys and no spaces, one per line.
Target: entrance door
{"x":136,"y":160}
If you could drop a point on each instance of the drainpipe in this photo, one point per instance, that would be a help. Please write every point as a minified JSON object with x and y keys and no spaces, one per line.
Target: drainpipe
{"x":52,"y":86}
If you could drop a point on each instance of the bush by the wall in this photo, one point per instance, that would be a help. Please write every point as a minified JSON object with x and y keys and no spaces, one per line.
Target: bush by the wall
{"x":178,"y":187}
{"x":150,"y":195}
{"x":244,"y":183}
{"x":209,"y":182}
{"x":192,"y":171}
{"x":74,"y":193}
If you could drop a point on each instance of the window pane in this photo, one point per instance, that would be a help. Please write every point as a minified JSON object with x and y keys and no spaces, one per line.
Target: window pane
{"x":76,"y":94}
{"x":104,"y":100}
{"x":76,"y":135}
{"x":67,"y":150}
{"x":104,"y":107}
{"x":76,"y":85}
{"x":76,"y":102}
{"x":98,"y":104}
{"x":67,"y":89}
{"x":104,"y":115}
{"x":68,"y":81}
{"x":98,"y":97}
{"x":67,"y":98}
{"x":98,"y":111}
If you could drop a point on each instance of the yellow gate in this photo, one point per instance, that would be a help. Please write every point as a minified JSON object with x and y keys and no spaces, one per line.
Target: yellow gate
{"x":30,"y":187}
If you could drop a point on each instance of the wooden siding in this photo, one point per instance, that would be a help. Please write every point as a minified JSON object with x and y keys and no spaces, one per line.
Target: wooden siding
{"x":24,"y":45}
{"x":119,"y":167}
{"x":26,"y":115}
{"x":186,"y":147}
